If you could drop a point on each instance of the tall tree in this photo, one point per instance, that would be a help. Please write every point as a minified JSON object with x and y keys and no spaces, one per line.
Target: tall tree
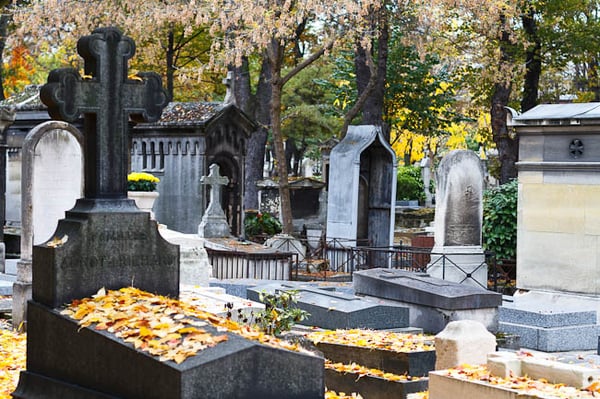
{"x":271,"y":28}
{"x":170,"y":35}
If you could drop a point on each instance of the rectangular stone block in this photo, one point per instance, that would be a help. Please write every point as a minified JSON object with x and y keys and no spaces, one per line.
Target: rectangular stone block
{"x":504,"y":364}
{"x":422,"y":289}
{"x":546,"y":318}
{"x":415,"y":364}
{"x":330,"y":309}
{"x":372,"y":387}
{"x":65,"y":362}
{"x":559,"y":373}
{"x":557,"y":339}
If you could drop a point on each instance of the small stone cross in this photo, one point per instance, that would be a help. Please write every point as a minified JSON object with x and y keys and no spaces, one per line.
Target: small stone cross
{"x":106,"y":97}
{"x":229,"y":83}
{"x":214,"y":223}
{"x":215,"y":181}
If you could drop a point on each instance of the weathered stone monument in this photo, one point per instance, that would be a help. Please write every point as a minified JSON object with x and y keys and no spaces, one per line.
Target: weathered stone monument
{"x":558,"y":219}
{"x":51,"y":180}
{"x":214,"y":223}
{"x":457,"y":254}
{"x":105,"y":241}
{"x":362,"y":189}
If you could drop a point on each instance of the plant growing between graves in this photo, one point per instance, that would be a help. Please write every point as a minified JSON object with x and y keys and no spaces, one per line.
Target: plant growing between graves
{"x":500,"y":220}
{"x":280,"y":313}
{"x":141,"y":181}
{"x":410,"y":184}
{"x":261,"y":224}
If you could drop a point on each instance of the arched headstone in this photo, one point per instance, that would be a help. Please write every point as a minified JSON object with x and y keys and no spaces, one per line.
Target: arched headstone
{"x":51,"y":182}
{"x":457,"y":254}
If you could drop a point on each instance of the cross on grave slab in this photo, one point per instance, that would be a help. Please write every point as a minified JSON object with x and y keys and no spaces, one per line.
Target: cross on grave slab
{"x":215,"y":181}
{"x":214,"y":223}
{"x":106,"y":97}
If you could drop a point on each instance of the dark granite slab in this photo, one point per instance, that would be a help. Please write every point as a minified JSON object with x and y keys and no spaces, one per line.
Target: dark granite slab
{"x":331,"y":309}
{"x":422,"y":289}
{"x":415,"y":364}
{"x":66,"y":362}
{"x":372,"y":387}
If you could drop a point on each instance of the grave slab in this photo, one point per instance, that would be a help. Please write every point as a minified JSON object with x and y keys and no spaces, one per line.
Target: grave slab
{"x":70,"y":362}
{"x":415,"y":364}
{"x":330,"y":309}
{"x":432,"y":302}
{"x":372,"y":387}
{"x":552,"y":322}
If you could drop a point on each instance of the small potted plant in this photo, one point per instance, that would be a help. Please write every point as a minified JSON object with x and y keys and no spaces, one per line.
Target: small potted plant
{"x":141,"y":187}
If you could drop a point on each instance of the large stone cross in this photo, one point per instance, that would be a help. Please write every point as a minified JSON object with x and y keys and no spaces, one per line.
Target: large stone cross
{"x":107,"y":98}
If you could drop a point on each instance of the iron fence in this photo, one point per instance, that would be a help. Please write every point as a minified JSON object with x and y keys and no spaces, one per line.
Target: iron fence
{"x":262,"y":266}
{"x":302,"y":259}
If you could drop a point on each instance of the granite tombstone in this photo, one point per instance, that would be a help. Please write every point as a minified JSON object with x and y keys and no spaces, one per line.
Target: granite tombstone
{"x":105,"y":241}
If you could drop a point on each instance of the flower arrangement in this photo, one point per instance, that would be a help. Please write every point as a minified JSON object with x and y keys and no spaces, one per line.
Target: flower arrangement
{"x":141,"y":181}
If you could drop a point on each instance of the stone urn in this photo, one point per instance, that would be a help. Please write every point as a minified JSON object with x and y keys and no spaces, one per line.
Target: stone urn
{"x":144,"y":200}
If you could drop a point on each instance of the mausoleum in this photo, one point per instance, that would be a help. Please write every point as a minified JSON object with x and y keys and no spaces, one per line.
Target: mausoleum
{"x":179,"y":149}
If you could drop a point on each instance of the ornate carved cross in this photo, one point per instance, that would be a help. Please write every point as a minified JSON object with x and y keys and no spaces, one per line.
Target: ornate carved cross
{"x":107,"y":98}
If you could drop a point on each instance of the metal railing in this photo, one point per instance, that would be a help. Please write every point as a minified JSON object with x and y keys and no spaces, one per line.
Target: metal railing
{"x":339,"y":258}
{"x":263,"y":266}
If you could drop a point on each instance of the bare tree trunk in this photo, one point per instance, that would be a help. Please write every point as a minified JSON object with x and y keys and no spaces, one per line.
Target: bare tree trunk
{"x":533,"y":62}
{"x":259,"y":107}
{"x":373,"y":107}
{"x":507,"y":146}
{"x":276,"y":61}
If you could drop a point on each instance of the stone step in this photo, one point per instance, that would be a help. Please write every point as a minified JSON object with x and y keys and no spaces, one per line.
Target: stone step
{"x":546,"y":318}
{"x":555,"y":339}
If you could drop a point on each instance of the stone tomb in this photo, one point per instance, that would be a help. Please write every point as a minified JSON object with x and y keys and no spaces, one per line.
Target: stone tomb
{"x":330,"y":309}
{"x":571,"y":378}
{"x":362,"y":192}
{"x":558,"y":215}
{"x":457,"y":254}
{"x":105,"y":241}
{"x":432,"y":302}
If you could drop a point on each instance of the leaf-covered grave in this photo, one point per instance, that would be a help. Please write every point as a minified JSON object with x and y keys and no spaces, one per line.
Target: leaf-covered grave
{"x":164,"y":327}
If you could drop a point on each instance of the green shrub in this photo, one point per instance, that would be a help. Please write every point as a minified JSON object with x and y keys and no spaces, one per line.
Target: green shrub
{"x":410,"y":184}
{"x":256,"y":224}
{"x":500,"y":220}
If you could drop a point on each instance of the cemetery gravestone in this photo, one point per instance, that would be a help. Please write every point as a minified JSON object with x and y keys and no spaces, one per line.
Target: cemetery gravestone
{"x":51,"y":180}
{"x":457,"y":254}
{"x":214,"y":223}
{"x":105,"y":241}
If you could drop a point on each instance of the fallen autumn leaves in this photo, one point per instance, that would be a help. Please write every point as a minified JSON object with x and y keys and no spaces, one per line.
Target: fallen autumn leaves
{"x":12,"y":360}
